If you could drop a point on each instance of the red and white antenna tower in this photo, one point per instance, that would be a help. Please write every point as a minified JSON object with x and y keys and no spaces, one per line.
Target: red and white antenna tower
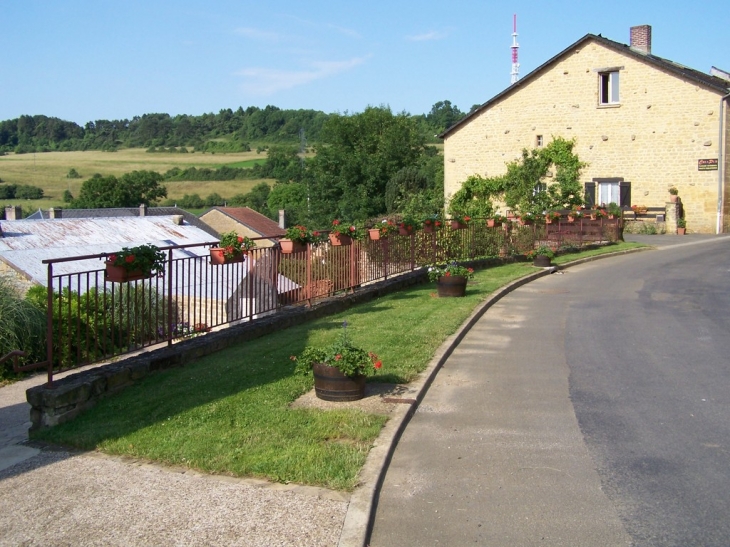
{"x":515,"y":47}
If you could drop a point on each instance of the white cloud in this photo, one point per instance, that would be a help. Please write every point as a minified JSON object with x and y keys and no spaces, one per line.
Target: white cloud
{"x":433,"y":35}
{"x":267,"y":81}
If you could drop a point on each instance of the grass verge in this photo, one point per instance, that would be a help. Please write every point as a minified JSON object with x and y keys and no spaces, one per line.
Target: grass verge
{"x":229,"y":412}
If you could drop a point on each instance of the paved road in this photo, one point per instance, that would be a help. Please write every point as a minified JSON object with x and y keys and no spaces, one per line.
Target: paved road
{"x":587,"y":408}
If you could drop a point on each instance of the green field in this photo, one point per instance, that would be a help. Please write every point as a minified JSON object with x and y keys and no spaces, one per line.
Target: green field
{"x":48,"y":171}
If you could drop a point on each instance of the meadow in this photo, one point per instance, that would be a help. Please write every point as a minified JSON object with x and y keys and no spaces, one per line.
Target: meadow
{"x":48,"y":171}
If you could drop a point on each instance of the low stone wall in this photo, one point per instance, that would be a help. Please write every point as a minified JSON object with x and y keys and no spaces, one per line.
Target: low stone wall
{"x":75,"y":393}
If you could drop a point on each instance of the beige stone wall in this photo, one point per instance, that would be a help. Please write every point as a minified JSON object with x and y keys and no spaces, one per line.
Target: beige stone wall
{"x":223,"y":223}
{"x":653,"y":139}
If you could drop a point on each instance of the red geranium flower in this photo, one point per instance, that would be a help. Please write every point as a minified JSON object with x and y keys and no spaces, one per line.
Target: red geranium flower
{"x":338,"y":357}
{"x":129,"y":259}
{"x":335,"y":222}
{"x":378,"y":364}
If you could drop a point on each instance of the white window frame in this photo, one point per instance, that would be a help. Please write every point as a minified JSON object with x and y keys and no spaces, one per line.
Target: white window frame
{"x":609,"y":88}
{"x":608,"y":191}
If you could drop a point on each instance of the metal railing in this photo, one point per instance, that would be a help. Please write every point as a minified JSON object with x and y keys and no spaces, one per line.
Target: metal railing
{"x":90,"y":318}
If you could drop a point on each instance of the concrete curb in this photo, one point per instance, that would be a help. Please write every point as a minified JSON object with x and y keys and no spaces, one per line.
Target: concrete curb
{"x":360,"y":512}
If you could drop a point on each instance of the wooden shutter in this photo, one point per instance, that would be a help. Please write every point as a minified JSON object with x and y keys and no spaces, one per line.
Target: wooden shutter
{"x":624,"y":193}
{"x":590,"y":195}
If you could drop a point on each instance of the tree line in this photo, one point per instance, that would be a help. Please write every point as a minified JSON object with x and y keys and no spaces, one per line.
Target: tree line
{"x":227,"y":131}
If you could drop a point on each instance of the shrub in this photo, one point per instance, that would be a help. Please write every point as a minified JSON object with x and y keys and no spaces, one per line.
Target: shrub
{"x":22,"y":327}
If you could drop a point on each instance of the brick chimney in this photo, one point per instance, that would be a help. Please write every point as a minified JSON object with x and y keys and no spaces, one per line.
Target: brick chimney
{"x":641,"y":38}
{"x":13,"y":212}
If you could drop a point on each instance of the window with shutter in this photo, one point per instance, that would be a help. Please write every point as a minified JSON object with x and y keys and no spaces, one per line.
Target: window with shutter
{"x":590,"y":195}
{"x":624,"y":193}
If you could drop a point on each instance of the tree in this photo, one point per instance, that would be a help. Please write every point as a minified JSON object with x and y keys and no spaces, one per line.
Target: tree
{"x":130,"y":190}
{"x":358,"y":156}
{"x":443,"y":115}
{"x":292,"y":197}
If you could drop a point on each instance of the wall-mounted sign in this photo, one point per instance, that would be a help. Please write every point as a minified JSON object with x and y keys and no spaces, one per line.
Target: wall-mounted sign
{"x":707,"y":165}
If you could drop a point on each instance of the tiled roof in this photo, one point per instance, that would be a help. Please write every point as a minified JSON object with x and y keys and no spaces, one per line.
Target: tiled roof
{"x":714,"y":83}
{"x":252,"y":219}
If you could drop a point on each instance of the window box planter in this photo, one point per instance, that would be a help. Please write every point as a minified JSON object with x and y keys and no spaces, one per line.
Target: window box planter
{"x":289,"y":246}
{"x":217,"y":257}
{"x":117,"y":274}
{"x":340,"y":239}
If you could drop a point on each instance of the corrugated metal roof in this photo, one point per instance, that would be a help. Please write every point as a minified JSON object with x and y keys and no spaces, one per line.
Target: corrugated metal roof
{"x":26,"y":243}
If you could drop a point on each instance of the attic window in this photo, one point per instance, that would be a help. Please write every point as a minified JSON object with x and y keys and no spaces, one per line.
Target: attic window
{"x":608,"y":88}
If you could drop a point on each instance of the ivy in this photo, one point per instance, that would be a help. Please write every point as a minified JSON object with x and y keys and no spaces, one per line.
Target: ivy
{"x":528,"y":186}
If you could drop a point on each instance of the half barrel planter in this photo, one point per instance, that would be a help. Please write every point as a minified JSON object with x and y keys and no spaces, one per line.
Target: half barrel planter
{"x":330,"y":384}
{"x":451,"y":285}
{"x":541,"y":261}
{"x":217,"y":257}
{"x":117,"y":274}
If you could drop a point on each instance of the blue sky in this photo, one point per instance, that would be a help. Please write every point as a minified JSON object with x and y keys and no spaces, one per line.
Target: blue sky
{"x":84,"y":60}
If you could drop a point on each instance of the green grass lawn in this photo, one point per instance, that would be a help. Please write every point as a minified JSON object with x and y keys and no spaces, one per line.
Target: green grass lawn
{"x":229,"y":412}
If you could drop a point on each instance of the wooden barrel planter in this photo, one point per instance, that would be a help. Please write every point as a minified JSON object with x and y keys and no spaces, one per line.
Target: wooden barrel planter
{"x":217,"y":257}
{"x":451,"y":285}
{"x":541,"y":261}
{"x":330,"y":384}
{"x":117,"y":274}
{"x":288,"y":246}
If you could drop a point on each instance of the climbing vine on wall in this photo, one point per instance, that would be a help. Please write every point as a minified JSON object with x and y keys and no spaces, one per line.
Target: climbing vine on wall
{"x":542,"y":179}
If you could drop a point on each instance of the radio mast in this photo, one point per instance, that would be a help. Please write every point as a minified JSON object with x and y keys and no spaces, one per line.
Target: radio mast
{"x":515,"y":47}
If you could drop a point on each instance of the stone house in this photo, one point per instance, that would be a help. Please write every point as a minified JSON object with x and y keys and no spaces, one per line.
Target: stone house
{"x":245,"y":222}
{"x":641,"y":122}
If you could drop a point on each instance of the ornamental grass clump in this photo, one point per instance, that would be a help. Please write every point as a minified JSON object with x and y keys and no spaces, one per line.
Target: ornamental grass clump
{"x":143,"y":258}
{"x":450,"y":270}
{"x":349,"y":359}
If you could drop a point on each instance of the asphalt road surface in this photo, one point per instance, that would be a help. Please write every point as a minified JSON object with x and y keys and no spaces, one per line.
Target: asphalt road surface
{"x":648,"y":346}
{"x":590,"y":407}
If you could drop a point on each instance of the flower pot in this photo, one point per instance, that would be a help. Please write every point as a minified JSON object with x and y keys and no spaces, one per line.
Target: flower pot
{"x":571,"y":218}
{"x":681,"y":231}
{"x":541,"y":261}
{"x":490,"y":223}
{"x":594,"y":217}
{"x":117,"y":274}
{"x":289,"y":246}
{"x":374,"y":234}
{"x":451,"y":285}
{"x":340,"y":239}
{"x":405,"y":231}
{"x":330,"y":384}
{"x":429,"y":228}
{"x":456,"y":225}
{"x":673,"y":198}
{"x":217,"y":257}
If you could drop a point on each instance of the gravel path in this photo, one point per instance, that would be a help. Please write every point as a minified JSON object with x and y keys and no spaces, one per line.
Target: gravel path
{"x":61,"y":498}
